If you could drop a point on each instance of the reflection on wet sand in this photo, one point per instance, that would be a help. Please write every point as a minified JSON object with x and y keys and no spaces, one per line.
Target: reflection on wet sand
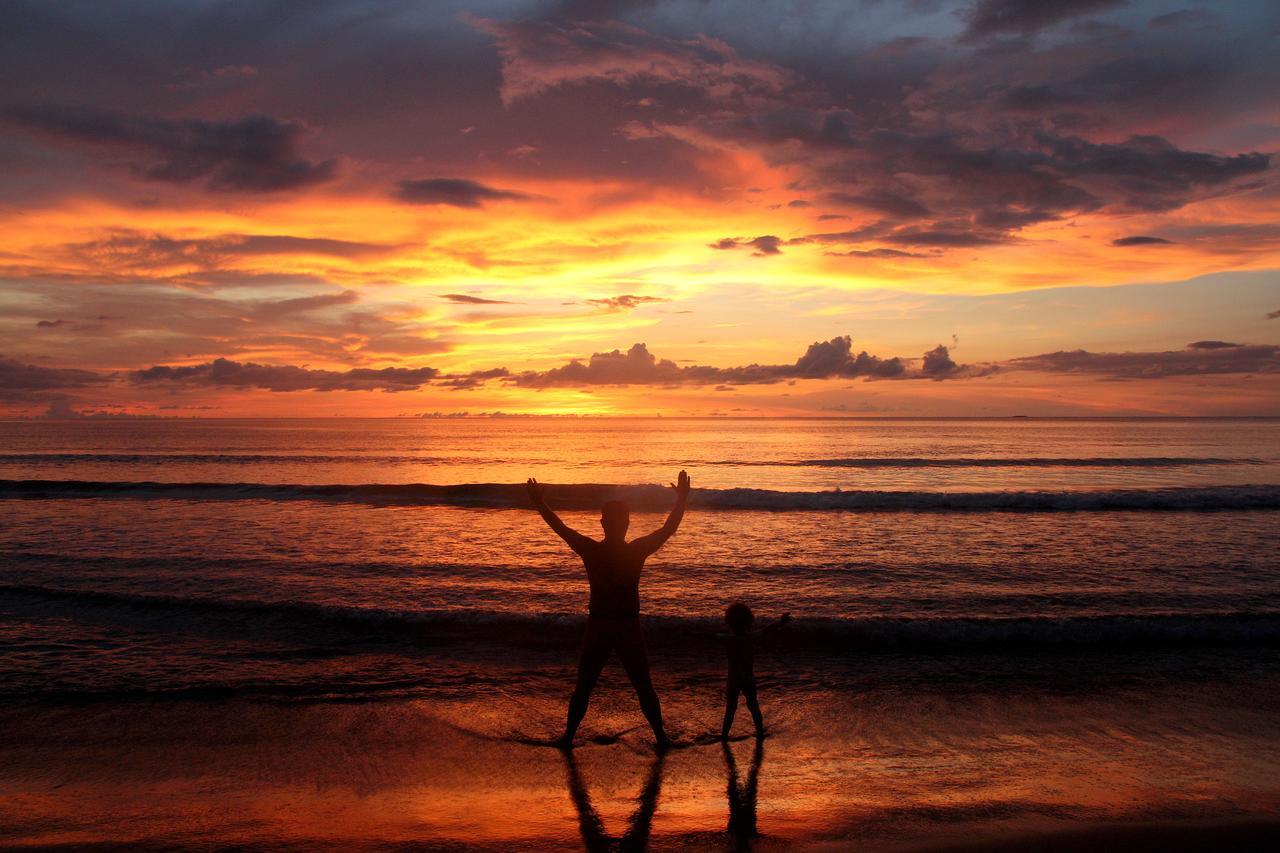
{"x":742,"y":797}
{"x":741,"y":793}
{"x":594,"y":836}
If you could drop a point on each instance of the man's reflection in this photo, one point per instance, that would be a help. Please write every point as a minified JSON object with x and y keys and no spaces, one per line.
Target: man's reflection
{"x":594,"y":836}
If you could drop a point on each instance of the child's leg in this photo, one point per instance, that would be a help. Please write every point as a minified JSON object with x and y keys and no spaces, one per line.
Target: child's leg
{"x":753,"y":705}
{"x":730,"y":708}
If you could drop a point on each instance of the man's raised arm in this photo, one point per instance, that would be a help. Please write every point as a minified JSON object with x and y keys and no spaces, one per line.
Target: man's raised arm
{"x":655,"y":540}
{"x":574,"y":539}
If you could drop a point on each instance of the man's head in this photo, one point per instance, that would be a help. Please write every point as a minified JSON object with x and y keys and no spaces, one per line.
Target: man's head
{"x":615,"y":518}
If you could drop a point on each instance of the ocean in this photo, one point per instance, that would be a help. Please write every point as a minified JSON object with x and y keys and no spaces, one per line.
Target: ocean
{"x":1040,"y":624}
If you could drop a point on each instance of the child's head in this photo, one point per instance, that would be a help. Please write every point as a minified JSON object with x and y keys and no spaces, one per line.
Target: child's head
{"x":739,"y":617}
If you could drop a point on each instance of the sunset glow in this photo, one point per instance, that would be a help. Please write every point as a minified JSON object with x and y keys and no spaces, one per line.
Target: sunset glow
{"x":482,"y":193}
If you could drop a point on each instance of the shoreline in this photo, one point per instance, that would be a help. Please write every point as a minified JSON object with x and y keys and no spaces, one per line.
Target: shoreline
{"x":451,"y":773}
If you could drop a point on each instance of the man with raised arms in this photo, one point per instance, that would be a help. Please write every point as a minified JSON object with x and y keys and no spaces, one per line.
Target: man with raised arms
{"x":613,"y":622}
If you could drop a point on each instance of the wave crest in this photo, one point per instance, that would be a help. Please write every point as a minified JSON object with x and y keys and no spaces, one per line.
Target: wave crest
{"x":654,"y":497}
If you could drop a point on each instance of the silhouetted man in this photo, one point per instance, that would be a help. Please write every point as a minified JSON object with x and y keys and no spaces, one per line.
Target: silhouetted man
{"x":613,"y":621}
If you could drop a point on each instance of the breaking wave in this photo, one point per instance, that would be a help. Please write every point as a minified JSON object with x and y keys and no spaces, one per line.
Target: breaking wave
{"x":427,"y":627}
{"x":590,"y":496}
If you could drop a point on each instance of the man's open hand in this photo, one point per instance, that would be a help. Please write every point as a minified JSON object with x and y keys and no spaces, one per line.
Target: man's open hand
{"x":681,"y":485}
{"x":536,"y":490}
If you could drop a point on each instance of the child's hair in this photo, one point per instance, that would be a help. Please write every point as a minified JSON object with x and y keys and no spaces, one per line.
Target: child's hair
{"x":739,"y":617}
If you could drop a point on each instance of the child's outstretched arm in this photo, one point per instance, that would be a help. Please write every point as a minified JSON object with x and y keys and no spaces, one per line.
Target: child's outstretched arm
{"x":774,"y":627}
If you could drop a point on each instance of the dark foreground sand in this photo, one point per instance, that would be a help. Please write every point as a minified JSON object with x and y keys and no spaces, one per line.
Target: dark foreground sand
{"x":440,"y":774}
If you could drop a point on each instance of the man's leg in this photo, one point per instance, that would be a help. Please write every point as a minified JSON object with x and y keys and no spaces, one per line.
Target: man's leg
{"x":631,"y":650}
{"x":595,"y":654}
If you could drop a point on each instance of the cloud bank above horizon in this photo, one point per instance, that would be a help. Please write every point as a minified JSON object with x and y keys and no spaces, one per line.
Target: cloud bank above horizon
{"x":244,"y":208}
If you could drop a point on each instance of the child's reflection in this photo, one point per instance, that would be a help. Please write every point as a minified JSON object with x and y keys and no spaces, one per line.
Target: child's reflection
{"x":742,"y":797}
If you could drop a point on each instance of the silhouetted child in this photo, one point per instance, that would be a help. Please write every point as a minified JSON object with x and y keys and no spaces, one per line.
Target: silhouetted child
{"x":742,"y":676}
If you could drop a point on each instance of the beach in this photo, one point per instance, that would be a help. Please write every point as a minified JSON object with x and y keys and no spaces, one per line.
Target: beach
{"x":1059,"y":634}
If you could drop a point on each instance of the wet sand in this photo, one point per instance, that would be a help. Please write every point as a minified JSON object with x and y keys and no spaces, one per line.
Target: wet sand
{"x":941,"y":772}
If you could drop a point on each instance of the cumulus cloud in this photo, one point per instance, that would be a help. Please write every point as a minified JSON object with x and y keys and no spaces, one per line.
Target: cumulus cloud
{"x":1141,"y":240}
{"x":637,"y":366}
{"x":455,"y":192}
{"x":253,"y":154}
{"x":938,"y":363}
{"x":625,"y":302}
{"x":223,"y":372}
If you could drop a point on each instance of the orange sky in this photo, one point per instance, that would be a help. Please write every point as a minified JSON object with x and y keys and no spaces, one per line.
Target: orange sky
{"x":551,"y":187}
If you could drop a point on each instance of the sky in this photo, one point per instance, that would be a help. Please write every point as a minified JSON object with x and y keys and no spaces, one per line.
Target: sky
{"x":816,"y":207}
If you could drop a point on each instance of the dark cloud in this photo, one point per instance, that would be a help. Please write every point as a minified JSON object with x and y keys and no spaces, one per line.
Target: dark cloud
{"x":472,"y":380}
{"x":1141,"y":240}
{"x":883,"y":202}
{"x":17,"y":378}
{"x":253,"y":154}
{"x":637,"y":366}
{"x":1273,"y":315}
{"x":767,"y":244}
{"x":625,"y":302}
{"x":1192,"y":361}
{"x":538,"y":56}
{"x":51,"y":324}
{"x":139,"y":324}
{"x":944,"y":239}
{"x":1212,"y":345}
{"x":938,"y":363}
{"x":1183,"y":18}
{"x":467,"y":299}
{"x":137,"y":250}
{"x":225,"y":373}
{"x":1025,"y":17}
{"x":298,"y":305}
{"x":456,"y":192}
{"x":879,"y":253}
{"x":1148,"y":172}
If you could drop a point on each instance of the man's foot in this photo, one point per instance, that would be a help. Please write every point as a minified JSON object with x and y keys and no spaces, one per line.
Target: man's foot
{"x":761,"y":734}
{"x":564,"y":742}
{"x":661,"y":743}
